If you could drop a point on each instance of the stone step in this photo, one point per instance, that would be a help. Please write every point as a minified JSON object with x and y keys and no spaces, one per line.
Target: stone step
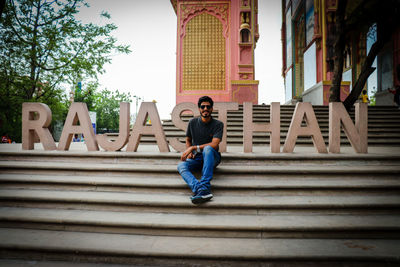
{"x":308,"y":141}
{"x":239,"y":128}
{"x":371,"y":135}
{"x":324,"y":107}
{"x":322,"y":125}
{"x":166,"y":168}
{"x":99,"y":157}
{"x":173,"y":158}
{"x":16,"y":261}
{"x":318,"y":112}
{"x":300,"y":141}
{"x":288,"y":120}
{"x":388,"y":200}
{"x":289,"y":114}
{"x":264,"y":139}
{"x":379,"y":107}
{"x":219,"y":182}
{"x":183,"y":250}
{"x":229,"y":185}
{"x":204,"y":225}
{"x":324,"y":128}
{"x":133,"y":207}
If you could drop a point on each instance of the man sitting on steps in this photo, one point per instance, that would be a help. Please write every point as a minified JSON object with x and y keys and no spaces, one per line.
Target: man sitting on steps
{"x":203,"y":136}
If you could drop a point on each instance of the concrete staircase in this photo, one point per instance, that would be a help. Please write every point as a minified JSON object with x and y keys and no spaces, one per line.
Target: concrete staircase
{"x":301,"y":209}
{"x":383,"y":127}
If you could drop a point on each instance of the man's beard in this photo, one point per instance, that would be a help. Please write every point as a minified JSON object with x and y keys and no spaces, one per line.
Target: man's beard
{"x":205,"y":116}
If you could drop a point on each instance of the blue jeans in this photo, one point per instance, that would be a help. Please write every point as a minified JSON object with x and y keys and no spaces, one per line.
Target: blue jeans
{"x":205,"y":161}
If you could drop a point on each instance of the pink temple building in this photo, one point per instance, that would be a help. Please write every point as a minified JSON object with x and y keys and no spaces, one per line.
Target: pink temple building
{"x":215,"y":50}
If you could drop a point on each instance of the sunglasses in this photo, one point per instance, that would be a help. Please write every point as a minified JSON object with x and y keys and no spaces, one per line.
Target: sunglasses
{"x":205,"y":106}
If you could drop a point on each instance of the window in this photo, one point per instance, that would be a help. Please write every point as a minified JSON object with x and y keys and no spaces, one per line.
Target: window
{"x":289,"y":38}
{"x":309,"y":21}
{"x":288,"y":86}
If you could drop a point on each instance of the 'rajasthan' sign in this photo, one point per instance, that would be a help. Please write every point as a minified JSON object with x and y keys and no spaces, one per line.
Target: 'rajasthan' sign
{"x":36,"y":118}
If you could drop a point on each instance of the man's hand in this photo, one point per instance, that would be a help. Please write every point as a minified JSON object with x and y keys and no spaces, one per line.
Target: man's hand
{"x":187,"y":154}
{"x":190,"y":156}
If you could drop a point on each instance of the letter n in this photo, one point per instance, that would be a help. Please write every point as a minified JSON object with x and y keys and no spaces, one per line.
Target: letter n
{"x":78,"y":112}
{"x":30,"y":125}
{"x":148,"y":109}
{"x":357,"y":135}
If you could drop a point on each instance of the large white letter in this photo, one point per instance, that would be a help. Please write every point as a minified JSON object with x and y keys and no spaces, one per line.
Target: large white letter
{"x":123,"y":137}
{"x":30,"y":125}
{"x":78,"y":112}
{"x":304,"y":110}
{"x":274,"y":127}
{"x":357,"y":135}
{"x":222,"y":108}
{"x":148,"y":109}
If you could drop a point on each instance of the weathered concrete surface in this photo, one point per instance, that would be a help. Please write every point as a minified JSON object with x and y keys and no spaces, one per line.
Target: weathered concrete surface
{"x":169,"y":200}
{"x":210,"y":248}
{"x":208,"y":221}
{"x":115,"y":206}
{"x":231,"y":149}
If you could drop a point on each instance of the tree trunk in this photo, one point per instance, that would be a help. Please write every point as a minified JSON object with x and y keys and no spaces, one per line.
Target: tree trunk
{"x":339,"y":52}
{"x":384,"y":33}
{"x":33,"y":54}
{"x":2,"y":6}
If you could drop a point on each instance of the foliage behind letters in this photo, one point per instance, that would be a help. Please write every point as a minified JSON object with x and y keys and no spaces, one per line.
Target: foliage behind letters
{"x":43,"y":47}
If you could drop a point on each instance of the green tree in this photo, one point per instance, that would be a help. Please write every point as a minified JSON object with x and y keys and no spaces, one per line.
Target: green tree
{"x":44,"y":48}
{"x":87,"y":95}
{"x":107,"y":109}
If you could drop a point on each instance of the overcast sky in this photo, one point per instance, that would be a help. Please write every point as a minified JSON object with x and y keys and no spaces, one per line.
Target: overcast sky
{"x":149,"y":27}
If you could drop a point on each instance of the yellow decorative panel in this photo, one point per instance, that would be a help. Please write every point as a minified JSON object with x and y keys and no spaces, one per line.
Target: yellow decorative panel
{"x":203,"y":54}
{"x":299,"y":79}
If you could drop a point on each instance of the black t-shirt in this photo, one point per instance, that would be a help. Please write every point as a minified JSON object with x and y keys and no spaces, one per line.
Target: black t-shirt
{"x":203,"y":133}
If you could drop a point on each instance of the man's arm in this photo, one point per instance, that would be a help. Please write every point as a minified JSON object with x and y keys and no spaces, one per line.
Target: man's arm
{"x":188,"y":142}
{"x":214,"y":143}
{"x":187,"y":154}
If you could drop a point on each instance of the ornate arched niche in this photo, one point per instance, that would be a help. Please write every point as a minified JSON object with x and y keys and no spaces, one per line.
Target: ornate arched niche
{"x":203,"y":40}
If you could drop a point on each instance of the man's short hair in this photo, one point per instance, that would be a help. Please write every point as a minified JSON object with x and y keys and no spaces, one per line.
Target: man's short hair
{"x":205,"y":99}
